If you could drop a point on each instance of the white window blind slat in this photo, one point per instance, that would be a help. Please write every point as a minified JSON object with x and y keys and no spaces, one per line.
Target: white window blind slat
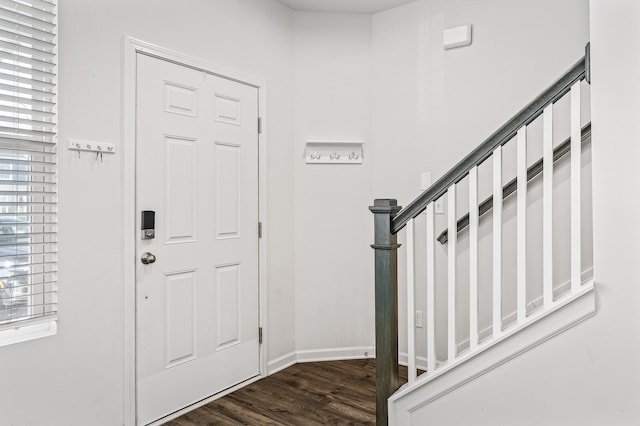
{"x":47,"y":6}
{"x":8,"y":162}
{"x":17,"y":207}
{"x":25,"y":72}
{"x":29,"y":217}
{"x":47,"y":176}
{"x":28,"y":62}
{"x":27,"y":93}
{"x":43,"y":125}
{"x":17,"y":125}
{"x":17,"y":25}
{"x":28,"y":83}
{"x":25,"y":40}
{"x":27,"y":145}
{"x":25,"y":105}
{"x":50,"y":254}
{"x":34,"y":116}
{"x":28,"y":180}
{"x":28,"y":142}
{"x":29,"y":10}
{"x":14,"y":48}
{"x":27,"y":16}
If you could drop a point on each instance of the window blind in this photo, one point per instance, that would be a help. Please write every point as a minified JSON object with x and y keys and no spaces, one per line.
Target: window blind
{"x":28,"y":184}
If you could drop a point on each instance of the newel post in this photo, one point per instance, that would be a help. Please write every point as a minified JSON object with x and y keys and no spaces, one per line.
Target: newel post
{"x":386,"y":283}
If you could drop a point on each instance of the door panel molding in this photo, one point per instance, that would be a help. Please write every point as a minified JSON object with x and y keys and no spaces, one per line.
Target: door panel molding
{"x":131,"y":49}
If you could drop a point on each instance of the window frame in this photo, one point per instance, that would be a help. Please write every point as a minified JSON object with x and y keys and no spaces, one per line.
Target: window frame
{"x":29,"y":327}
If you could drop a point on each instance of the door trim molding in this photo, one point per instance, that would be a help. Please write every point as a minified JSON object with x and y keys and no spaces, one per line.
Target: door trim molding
{"x":131,"y":48}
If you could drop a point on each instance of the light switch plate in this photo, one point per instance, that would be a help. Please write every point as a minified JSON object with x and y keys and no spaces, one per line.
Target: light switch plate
{"x":425,"y":180}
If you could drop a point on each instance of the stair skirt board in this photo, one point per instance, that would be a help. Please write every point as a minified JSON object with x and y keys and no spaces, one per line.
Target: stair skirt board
{"x":569,"y":311}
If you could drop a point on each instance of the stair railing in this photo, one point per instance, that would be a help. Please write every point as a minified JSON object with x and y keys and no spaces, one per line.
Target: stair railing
{"x":389,"y":219}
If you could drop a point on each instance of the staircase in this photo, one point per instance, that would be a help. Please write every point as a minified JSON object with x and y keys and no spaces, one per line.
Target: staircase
{"x":478,"y":307}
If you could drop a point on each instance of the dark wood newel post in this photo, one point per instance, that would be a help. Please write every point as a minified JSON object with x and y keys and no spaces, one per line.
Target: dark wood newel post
{"x":386,"y":283}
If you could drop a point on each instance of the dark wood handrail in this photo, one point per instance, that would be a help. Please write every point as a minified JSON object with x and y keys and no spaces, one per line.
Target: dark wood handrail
{"x":501,"y":136}
{"x":511,"y":187}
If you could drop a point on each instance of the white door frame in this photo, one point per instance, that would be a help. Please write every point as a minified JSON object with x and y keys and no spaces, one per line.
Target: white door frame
{"x":131,"y":48}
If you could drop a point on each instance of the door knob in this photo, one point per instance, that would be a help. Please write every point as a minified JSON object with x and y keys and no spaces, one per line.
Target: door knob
{"x":148,"y":258}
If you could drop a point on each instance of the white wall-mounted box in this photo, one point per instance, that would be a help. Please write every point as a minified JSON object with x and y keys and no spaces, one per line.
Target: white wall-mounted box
{"x":333,"y":152}
{"x":456,"y":37}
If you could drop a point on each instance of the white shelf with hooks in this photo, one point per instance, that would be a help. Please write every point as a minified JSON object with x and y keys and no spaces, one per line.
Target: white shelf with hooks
{"x":333,"y":152}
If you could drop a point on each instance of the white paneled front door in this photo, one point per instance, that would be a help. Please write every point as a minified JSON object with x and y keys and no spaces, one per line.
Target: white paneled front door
{"x":197,"y":169}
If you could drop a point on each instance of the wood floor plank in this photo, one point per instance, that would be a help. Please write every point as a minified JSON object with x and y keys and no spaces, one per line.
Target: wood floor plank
{"x":306,"y":394}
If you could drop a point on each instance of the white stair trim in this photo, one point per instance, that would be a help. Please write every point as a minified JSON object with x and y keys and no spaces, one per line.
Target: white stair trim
{"x":540,"y":326}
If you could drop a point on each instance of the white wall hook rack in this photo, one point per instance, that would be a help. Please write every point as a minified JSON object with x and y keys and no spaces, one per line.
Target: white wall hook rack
{"x":89,"y":146}
{"x":333,"y":152}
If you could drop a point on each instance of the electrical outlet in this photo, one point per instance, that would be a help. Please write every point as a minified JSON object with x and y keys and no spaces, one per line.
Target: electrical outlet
{"x":419,"y":319}
{"x":439,"y":206}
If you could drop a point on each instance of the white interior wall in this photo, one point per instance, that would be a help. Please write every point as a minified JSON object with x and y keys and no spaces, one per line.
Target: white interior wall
{"x":407,"y":120}
{"x":509,"y":63}
{"x":320,"y":82}
{"x":76,"y":377}
{"x":589,"y":375}
{"x":333,"y":263}
{"x":431,"y":107}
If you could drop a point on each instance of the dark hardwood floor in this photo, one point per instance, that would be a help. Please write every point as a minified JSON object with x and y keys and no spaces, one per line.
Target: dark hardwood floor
{"x":315,"y":393}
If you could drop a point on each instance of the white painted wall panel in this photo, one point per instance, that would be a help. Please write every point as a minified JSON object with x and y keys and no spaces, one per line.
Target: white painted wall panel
{"x":87,"y":352}
{"x":333,"y":226}
{"x":590,"y":374}
{"x":450,"y":107}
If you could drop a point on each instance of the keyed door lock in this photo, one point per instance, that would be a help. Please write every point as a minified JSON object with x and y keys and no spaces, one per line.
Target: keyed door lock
{"x":148,"y":221}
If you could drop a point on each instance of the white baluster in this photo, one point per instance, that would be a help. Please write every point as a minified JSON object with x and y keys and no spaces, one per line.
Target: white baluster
{"x":547,"y":205}
{"x":497,"y":242}
{"x":473,"y":258}
{"x":411,"y":305}
{"x":431,"y":291}
{"x":576,"y":156}
{"x":521,"y":298}
{"x":451,"y":290}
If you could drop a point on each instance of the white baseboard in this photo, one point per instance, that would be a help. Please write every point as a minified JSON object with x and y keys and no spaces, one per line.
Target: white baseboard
{"x":317,"y":355}
{"x":421,"y":361}
{"x":281,"y":363}
{"x":335,"y":354}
